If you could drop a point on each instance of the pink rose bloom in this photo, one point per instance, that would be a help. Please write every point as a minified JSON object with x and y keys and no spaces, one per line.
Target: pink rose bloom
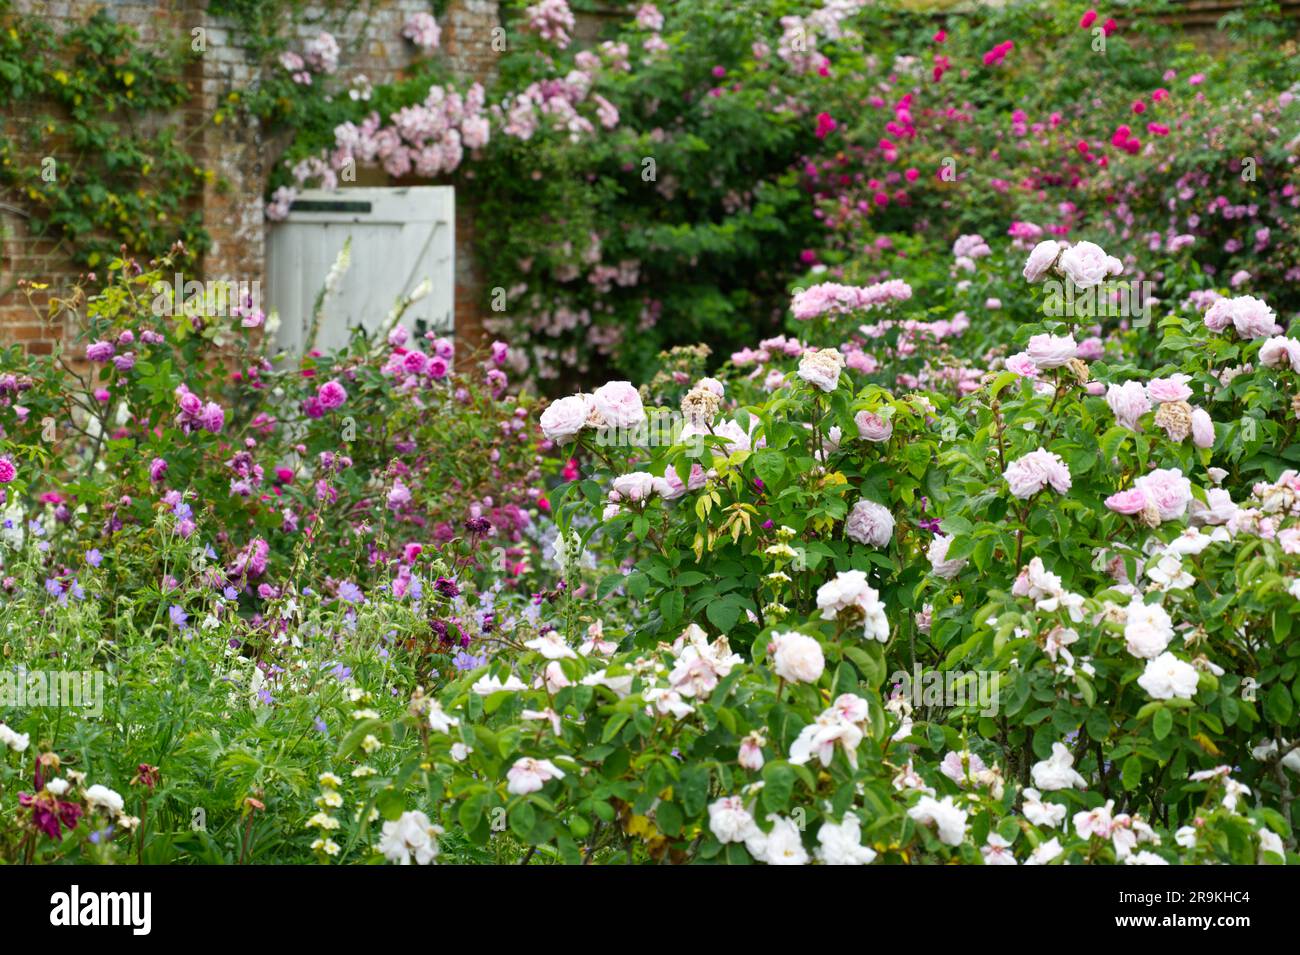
{"x":1090,"y":349}
{"x":635,"y":487}
{"x":1251,"y":317}
{"x":1051,"y":351}
{"x":1129,"y":402}
{"x":565,"y":417}
{"x":99,"y":351}
{"x":191,"y":404}
{"x":1202,"y":428}
{"x":1036,"y":471}
{"x":672,"y":487}
{"x":619,"y":403}
{"x":1087,"y":264}
{"x":1127,"y":502}
{"x":1173,"y":388}
{"x":213,"y":418}
{"x":331,"y":395}
{"x":872,"y":427}
{"x":1289,"y":540}
{"x":7,"y":471}
{"x":1168,"y":490}
{"x":870,"y":523}
{"x":1042,"y":258}
{"x":1022,"y":365}
{"x":1280,"y":352}
{"x":937,"y":554}
{"x":414,"y":362}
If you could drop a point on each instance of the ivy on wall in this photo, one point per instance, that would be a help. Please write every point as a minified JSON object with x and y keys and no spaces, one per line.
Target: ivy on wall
{"x":84,"y":153}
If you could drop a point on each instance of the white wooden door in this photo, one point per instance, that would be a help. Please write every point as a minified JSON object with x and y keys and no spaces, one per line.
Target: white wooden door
{"x":401,"y":237}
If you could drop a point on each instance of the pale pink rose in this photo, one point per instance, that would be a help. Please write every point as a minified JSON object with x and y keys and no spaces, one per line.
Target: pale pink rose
{"x":872,"y":427}
{"x":870,"y":523}
{"x":1051,"y":351}
{"x":1219,"y":508}
{"x":636,"y":487}
{"x":1129,"y":402}
{"x":1251,"y":317}
{"x":821,"y":368}
{"x":797,"y":658}
{"x":1090,"y":349}
{"x":1036,"y":471}
{"x":937,"y":554}
{"x":619,"y":403}
{"x":673,"y":488}
{"x":1130,"y":502}
{"x":751,"y":752}
{"x":1042,"y":258}
{"x":1202,"y":428}
{"x":1289,"y":540}
{"x":1173,"y":388}
{"x":565,"y":417}
{"x":1022,"y":365}
{"x":1087,"y":264}
{"x":1280,"y":352}
{"x":1168,"y":490}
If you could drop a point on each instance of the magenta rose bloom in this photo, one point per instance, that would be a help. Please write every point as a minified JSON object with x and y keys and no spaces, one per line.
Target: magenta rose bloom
{"x":331,"y":395}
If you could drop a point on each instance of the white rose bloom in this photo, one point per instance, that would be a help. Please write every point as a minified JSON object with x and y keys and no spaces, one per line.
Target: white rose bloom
{"x":16,"y":741}
{"x":1167,"y":677}
{"x":440,"y":721}
{"x":1147,"y":629}
{"x":1057,"y":772}
{"x":729,"y":821}
{"x":997,"y":851}
{"x":1270,"y":841}
{"x":842,"y":844}
{"x":1045,"y":853}
{"x":101,"y":797}
{"x":1041,"y":813}
{"x":551,"y":645}
{"x":944,"y":815}
{"x":1144,"y":858}
{"x":529,"y":775}
{"x":822,"y":368}
{"x":410,"y":838}
{"x":797,"y":658}
{"x":487,"y":685}
{"x":782,"y":846}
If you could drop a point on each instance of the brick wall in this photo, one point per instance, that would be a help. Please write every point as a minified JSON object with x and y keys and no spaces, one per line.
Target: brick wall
{"x":240,"y":155}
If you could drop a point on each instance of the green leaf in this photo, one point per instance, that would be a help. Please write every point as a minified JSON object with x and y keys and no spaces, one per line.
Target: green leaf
{"x":1162,"y":723}
{"x":1278,"y":705}
{"x":769,"y":465}
{"x":723,"y":614}
{"x":1131,"y":773}
{"x":778,"y":785}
